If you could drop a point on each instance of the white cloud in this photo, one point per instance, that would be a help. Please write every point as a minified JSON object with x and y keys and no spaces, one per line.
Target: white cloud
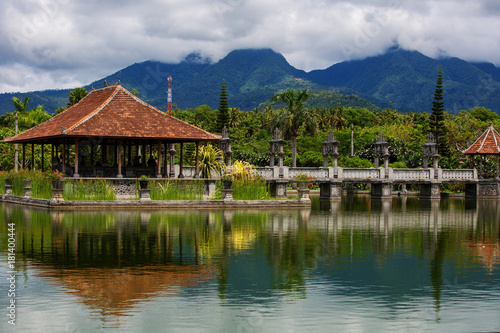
{"x":59,"y":42}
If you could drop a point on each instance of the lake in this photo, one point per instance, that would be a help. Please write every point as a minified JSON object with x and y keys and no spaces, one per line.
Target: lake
{"x":355,"y":265}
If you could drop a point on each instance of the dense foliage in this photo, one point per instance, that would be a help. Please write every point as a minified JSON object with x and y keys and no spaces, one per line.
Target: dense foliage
{"x":251,"y":130}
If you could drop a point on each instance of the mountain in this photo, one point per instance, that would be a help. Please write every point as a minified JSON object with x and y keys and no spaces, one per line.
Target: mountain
{"x":405,"y":79}
{"x":408,"y":80}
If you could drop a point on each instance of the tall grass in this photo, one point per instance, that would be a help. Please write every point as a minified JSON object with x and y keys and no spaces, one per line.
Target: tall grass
{"x":41,"y":184}
{"x":174,"y":190}
{"x":253,"y":189}
{"x":92,"y":189}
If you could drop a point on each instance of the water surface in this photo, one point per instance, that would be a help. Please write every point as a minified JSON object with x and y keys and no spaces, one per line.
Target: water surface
{"x":358,"y":265}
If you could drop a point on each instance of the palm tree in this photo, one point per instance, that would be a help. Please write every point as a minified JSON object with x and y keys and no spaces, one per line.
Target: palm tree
{"x":294,"y":117}
{"x":21,"y":106}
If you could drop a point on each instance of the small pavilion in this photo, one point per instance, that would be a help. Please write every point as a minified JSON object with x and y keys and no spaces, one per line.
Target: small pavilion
{"x":111,"y":124}
{"x":487,"y":144}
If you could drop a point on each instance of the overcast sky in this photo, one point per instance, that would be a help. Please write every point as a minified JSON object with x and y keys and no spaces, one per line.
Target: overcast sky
{"x":47,"y":44}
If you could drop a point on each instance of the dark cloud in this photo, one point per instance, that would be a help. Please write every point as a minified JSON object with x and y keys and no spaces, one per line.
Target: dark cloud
{"x":62,"y":43}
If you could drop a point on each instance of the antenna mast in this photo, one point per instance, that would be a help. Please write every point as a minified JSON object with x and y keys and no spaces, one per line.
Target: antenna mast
{"x":169,"y":96}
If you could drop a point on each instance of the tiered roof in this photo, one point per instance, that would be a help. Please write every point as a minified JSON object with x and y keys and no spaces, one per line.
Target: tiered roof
{"x":486,"y":144}
{"x":113,"y":113}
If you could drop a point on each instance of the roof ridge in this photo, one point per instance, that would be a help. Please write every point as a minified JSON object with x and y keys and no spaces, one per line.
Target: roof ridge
{"x":484,"y":140}
{"x":92,"y":114}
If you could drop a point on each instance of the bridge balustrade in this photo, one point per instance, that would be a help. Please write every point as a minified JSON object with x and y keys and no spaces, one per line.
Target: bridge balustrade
{"x":362,"y":174}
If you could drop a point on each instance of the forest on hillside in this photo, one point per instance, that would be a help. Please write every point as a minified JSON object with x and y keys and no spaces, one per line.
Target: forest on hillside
{"x":251,"y":132}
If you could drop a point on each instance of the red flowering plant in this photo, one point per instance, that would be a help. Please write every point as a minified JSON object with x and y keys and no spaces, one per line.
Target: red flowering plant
{"x":54,"y":175}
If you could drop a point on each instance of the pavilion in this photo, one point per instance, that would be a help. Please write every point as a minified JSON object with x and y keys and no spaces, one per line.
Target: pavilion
{"x":113,"y":124}
{"x":487,"y":144}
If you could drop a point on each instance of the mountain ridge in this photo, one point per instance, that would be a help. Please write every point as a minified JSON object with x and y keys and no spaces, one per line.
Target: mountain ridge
{"x":401,"y":78}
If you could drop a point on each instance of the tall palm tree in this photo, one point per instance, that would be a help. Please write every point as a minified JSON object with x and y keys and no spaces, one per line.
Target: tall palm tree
{"x":294,"y":117}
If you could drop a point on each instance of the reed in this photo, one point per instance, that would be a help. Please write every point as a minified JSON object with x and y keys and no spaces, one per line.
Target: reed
{"x":92,"y":189}
{"x":41,"y":184}
{"x":252,"y":189}
{"x":175,"y":190}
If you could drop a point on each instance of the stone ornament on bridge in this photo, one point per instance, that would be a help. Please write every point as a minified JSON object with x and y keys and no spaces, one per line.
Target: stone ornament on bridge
{"x":381,"y":147}
{"x":276,"y":148}
{"x":330,"y":147}
{"x":430,"y":150}
{"x":225,"y":146}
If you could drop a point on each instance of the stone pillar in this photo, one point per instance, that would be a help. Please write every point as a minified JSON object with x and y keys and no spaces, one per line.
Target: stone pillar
{"x":277,"y":148}
{"x":225,"y":147}
{"x":172,"y":152}
{"x":381,"y":148}
{"x":330,"y":147}
{"x":381,"y":189}
{"x":277,"y":188}
{"x":430,"y":190}
{"x":330,"y":190}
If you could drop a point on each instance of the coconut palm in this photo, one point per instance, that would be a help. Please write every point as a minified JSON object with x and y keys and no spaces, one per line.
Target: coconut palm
{"x":294,"y":117}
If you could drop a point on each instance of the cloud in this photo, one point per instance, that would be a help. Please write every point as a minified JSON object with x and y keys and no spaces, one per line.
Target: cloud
{"x":55,"y":43}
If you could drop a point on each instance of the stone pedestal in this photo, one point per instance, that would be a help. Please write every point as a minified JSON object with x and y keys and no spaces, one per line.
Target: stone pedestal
{"x":430,"y":190}
{"x":330,"y":190}
{"x":8,"y":187}
{"x":381,"y":189}
{"x":208,"y":189}
{"x":304,"y":195}
{"x":278,"y":188}
{"x":27,"y":189}
{"x":144,"y":194}
{"x":227,"y":195}
{"x":57,"y":195}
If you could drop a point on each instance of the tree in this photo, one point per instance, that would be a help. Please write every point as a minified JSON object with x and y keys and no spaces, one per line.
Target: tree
{"x":294,"y":117}
{"x":21,"y":106}
{"x":437,"y":116}
{"x":76,"y":95}
{"x":223,"y":111}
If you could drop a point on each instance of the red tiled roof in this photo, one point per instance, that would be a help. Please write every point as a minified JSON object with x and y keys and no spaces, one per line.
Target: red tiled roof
{"x":113,"y":112}
{"x":487,"y":144}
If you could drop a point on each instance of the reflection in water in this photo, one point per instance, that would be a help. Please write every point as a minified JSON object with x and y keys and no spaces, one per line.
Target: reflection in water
{"x":395,"y":250}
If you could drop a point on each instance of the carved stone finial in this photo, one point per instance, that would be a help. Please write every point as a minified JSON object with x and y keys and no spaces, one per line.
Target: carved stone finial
{"x":105,"y":84}
{"x":225,"y":135}
{"x":276,"y":134}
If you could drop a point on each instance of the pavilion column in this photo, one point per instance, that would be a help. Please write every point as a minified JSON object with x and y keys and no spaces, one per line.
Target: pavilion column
{"x":104,"y":154}
{"x":33,"y":156}
{"x":158,"y":164}
{"x":165,"y":162}
{"x":119,"y":160}
{"x":24,"y":156}
{"x":130,"y":159}
{"x":144,"y":163}
{"x":43,"y":159}
{"x":64,"y":159}
{"x":75,"y":174}
{"x":180,"y":160}
{"x":197,"y":163}
{"x":52,"y":158}
{"x":92,"y":154}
